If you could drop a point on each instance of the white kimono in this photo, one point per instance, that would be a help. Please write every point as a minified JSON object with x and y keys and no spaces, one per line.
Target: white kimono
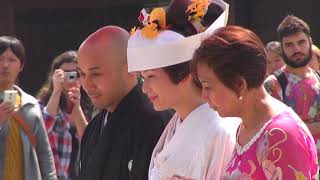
{"x":199,"y":147}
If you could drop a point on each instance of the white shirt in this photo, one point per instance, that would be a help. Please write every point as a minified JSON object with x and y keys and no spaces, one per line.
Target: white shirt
{"x":104,"y":122}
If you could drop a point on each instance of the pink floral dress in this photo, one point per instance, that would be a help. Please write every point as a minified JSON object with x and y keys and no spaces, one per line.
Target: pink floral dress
{"x":282,"y":149}
{"x":302,"y":94}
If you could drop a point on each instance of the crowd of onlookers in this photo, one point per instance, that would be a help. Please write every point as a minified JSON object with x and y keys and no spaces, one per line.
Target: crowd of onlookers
{"x":275,"y":57}
{"x":179,"y":98}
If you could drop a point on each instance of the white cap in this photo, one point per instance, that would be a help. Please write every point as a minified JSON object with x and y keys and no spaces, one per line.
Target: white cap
{"x":168,"y":48}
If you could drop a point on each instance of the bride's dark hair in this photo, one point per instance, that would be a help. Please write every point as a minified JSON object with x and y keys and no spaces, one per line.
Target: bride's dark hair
{"x":178,"y":17}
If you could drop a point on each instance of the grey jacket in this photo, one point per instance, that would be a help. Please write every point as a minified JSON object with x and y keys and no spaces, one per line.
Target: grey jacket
{"x":38,"y":161}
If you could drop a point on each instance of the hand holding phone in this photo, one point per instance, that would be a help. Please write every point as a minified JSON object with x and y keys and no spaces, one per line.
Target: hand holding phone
{"x":6,"y":111}
{"x":10,"y":96}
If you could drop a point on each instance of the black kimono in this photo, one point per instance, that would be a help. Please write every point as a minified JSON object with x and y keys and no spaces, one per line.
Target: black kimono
{"x":123,"y":150}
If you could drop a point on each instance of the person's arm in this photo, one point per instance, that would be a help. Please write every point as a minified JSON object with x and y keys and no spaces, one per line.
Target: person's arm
{"x":53,"y":103}
{"x":49,"y":120}
{"x":77,"y":115}
{"x":273,"y":87}
{"x":177,"y":177}
{"x":50,"y":111}
{"x":43,"y":149}
{"x":79,"y":120}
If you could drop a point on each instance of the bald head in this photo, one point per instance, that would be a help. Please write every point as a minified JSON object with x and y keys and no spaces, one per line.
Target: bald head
{"x":102,"y":62}
{"x":108,"y":39}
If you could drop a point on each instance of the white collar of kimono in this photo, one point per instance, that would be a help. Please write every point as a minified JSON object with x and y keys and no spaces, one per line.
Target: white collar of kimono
{"x":169,"y":48}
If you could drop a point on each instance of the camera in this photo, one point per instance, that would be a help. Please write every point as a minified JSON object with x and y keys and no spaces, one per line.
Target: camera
{"x":71,"y":76}
{"x":10,"y":96}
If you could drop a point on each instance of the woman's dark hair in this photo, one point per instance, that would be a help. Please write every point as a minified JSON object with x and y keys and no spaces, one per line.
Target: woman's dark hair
{"x":177,"y":20}
{"x":233,"y":52}
{"x":47,"y":89}
{"x":15,"y":45}
{"x":178,"y":72}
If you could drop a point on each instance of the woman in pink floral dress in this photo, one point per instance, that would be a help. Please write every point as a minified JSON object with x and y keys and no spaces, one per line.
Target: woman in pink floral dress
{"x":272,"y":141}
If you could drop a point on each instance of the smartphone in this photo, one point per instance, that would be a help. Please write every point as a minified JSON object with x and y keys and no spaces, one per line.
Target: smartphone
{"x":10,"y":96}
{"x":71,"y":76}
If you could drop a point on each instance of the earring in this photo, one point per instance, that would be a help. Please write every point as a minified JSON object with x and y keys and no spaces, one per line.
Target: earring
{"x":240,"y":98}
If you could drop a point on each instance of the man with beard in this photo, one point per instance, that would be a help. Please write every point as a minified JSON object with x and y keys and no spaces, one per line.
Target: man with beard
{"x":296,"y":84}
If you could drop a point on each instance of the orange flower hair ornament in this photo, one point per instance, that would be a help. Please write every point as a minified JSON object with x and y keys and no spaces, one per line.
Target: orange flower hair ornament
{"x":153,"y":23}
{"x":167,"y":47}
{"x":134,"y":30}
{"x":197,"y":9}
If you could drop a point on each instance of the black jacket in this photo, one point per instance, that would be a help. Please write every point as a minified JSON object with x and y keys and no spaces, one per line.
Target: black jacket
{"x":128,"y":139}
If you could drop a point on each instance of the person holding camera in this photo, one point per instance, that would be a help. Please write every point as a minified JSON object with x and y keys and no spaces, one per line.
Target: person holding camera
{"x":25,"y":152}
{"x":64,"y":115}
